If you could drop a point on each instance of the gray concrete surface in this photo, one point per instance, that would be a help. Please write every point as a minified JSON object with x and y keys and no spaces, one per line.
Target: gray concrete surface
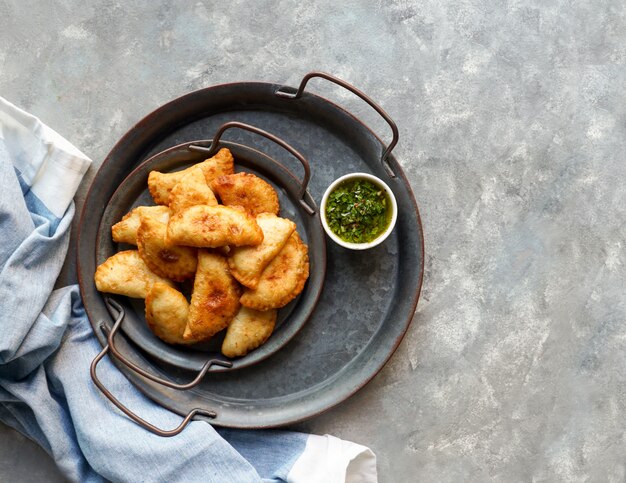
{"x":513,"y":134}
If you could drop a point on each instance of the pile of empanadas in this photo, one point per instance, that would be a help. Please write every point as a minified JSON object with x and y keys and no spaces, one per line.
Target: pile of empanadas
{"x":245,"y":261}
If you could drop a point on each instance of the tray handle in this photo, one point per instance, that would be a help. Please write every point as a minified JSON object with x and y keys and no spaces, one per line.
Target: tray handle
{"x":114,"y":307}
{"x":287,"y":92}
{"x":213,"y":148}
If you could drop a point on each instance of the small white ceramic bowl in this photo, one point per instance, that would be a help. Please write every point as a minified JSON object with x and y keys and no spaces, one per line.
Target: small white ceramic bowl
{"x":359,"y":246}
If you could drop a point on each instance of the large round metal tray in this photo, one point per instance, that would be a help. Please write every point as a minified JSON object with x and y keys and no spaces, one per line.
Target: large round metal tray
{"x":368,"y":298}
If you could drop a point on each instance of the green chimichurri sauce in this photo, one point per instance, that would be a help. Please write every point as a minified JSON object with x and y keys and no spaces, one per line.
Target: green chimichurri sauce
{"x":358,"y":211}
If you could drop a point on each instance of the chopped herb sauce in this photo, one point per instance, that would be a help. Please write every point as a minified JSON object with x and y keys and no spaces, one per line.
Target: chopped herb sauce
{"x":358,"y":211}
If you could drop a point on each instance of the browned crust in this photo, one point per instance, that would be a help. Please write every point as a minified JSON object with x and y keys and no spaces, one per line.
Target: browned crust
{"x":191,"y":190}
{"x":125,"y":273}
{"x":125,"y":231}
{"x":270,"y":294}
{"x":167,"y":323}
{"x":205,"y":226}
{"x":249,"y":329}
{"x":161,"y":184}
{"x":174,"y":262}
{"x":254,"y":194}
{"x":262,"y":254}
{"x":215,"y":297}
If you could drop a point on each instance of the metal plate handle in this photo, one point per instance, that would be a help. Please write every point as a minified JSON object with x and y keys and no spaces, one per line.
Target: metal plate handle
{"x":110,"y":333}
{"x":115,"y":309}
{"x":288,"y":93}
{"x":213,"y":148}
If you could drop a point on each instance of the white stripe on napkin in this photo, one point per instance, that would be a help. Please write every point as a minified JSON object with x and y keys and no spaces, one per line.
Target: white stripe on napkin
{"x":333,"y":460}
{"x":48,"y":163}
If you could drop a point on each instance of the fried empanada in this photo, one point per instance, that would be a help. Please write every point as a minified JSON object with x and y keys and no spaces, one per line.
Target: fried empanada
{"x":247,"y":263}
{"x":125,"y":273}
{"x":213,"y":226}
{"x":249,"y":329}
{"x":166,"y":313}
{"x":161,"y":184}
{"x":191,"y":190}
{"x":283,"y":279}
{"x":247,"y":190}
{"x":170,"y":261}
{"x":214,"y":300}
{"x":125,"y":231}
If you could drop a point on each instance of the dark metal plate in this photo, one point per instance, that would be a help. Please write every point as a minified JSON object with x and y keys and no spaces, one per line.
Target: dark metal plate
{"x":133,"y":191}
{"x":368,"y":299}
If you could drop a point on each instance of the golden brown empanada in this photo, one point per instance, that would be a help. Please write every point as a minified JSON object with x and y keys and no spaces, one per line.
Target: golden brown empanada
{"x":161,"y":184}
{"x":215,"y":297}
{"x":191,"y":190}
{"x":249,"y":329}
{"x":213,"y":226}
{"x":245,"y":189}
{"x":247,"y":263}
{"x":170,"y":261}
{"x":125,"y":231}
{"x":166,"y":313}
{"x":283,"y":279}
{"x":125,"y":273}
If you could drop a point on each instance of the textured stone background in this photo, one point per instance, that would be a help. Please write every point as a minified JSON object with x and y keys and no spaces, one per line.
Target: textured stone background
{"x":513,"y":134}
